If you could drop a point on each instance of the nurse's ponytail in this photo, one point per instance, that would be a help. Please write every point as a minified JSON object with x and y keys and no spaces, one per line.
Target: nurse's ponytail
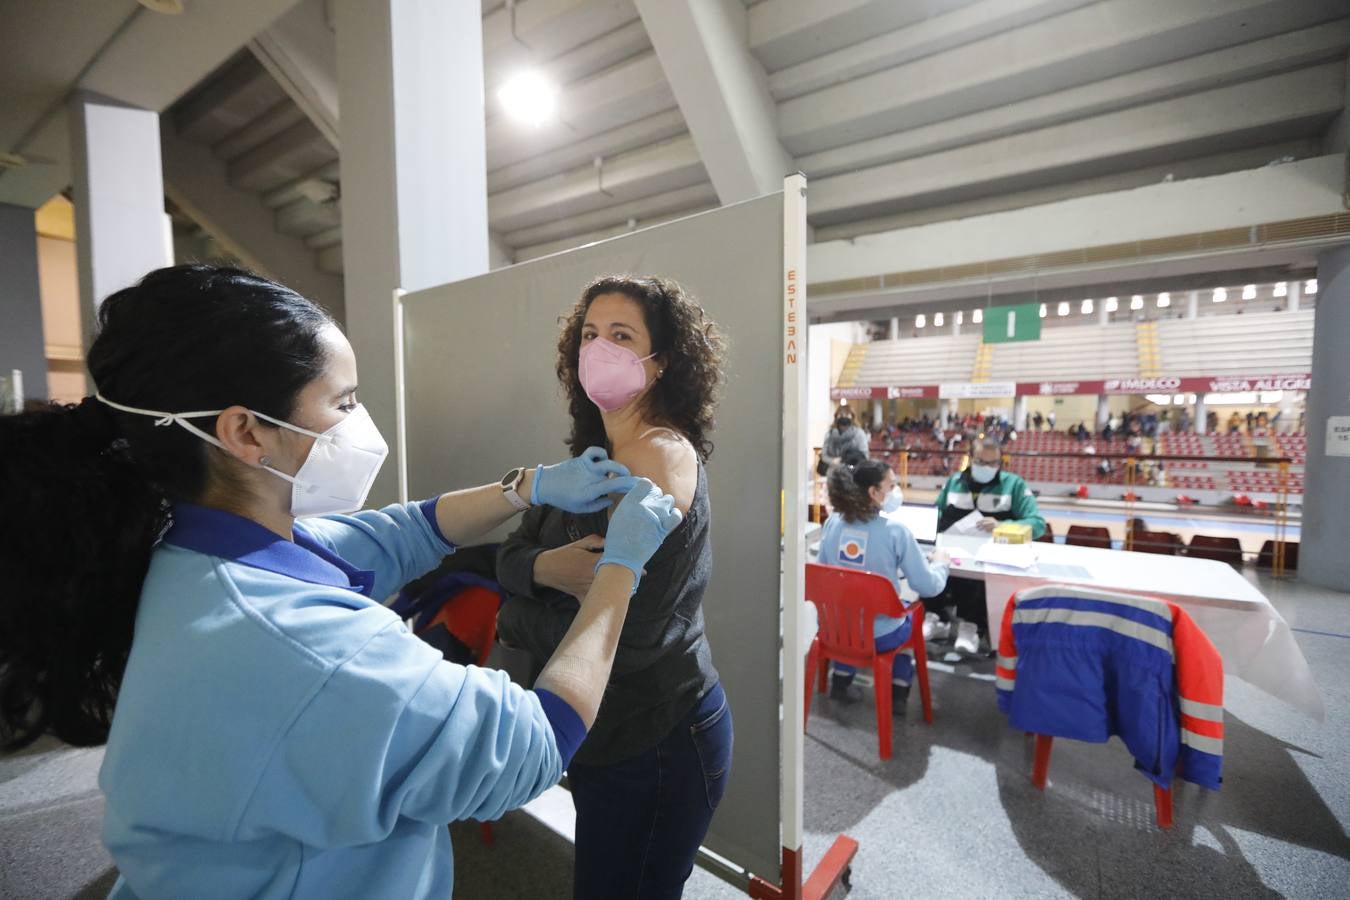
{"x":86,"y":490}
{"x":79,"y":519}
{"x":848,"y":483}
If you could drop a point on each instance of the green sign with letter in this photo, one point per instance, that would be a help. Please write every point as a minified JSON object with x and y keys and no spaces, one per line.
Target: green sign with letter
{"x":1003,"y":324}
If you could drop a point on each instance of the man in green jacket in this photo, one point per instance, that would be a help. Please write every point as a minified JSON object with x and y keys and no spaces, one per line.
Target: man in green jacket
{"x":1002,"y":497}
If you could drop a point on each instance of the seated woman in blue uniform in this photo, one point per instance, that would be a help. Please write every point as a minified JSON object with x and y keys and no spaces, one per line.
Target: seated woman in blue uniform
{"x":277,"y":732}
{"x":857,"y":536}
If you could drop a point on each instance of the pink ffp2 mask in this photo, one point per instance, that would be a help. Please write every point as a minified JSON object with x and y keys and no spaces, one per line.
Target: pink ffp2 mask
{"x":611,"y":375}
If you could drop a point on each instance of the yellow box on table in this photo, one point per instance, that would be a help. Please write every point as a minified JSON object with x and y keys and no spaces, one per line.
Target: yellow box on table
{"x":1012,"y":533}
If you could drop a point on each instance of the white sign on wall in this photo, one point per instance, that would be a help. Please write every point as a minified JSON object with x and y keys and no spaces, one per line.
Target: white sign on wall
{"x":1338,"y":436}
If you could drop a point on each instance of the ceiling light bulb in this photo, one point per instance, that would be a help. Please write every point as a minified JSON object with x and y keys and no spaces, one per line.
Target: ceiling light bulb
{"x":937,"y":320}
{"x":920,"y":320}
{"x":1063,"y":307}
{"x":529,"y":97}
{"x":1220,"y":295}
{"x":1087,"y":307}
{"x":1310,"y":286}
{"x":1137,"y":301}
{"x":977,"y":316}
{"x":1281,"y":289}
{"x":1043,"y":310}
{"x":960,"y":317}
{"x":1249,"y":292}
{"x":1111,"y":304}
{"x":1164,"y":300}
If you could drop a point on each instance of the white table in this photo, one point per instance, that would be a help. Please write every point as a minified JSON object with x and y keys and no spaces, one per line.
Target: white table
{"x":1253,"y":638}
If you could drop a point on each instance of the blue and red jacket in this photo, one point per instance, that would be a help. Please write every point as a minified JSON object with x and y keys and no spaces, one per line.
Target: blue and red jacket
{"x":1080,"y":663}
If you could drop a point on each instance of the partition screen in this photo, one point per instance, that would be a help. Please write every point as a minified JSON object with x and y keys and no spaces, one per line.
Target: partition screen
{"x":480,"y":396}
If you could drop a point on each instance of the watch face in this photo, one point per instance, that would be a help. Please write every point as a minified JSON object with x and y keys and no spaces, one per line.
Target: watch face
{"x":510,"y":478}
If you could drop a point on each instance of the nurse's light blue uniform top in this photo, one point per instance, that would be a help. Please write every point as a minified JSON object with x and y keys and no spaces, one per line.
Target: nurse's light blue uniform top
{"x":279,"y":733}
{"x":883,"y":546}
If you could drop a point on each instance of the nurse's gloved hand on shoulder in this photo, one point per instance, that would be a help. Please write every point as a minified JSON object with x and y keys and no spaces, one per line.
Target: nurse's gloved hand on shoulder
{"x":582,"y":484}
{"x":641,"y":522}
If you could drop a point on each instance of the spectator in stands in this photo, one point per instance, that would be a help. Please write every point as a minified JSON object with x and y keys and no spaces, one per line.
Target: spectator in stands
{"x":1050,"y":419}
{"x":842,"y":437}
{"x":1184,"y":421}
{"x":1002,"y":497}
{"x":1080,"y":432}
{"x":1108,"y":432}
{"x":1038,"y":420}
{"x":1211,"y":422}
{"x":857,"y":536}
{"x":1235,"y":423}
{"x":1251,"y":419}
{"x":1136,"y":527}
{"x":1164,"y":422}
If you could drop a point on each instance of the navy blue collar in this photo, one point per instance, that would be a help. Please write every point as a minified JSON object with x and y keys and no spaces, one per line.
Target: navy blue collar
{"x":219,"y":533}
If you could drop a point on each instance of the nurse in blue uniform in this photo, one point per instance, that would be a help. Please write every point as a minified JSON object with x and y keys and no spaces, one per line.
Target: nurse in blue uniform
{"x":187,"y":578}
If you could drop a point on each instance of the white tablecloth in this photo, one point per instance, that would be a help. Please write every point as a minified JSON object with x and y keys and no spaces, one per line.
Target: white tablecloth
{"x":1253,"y":638}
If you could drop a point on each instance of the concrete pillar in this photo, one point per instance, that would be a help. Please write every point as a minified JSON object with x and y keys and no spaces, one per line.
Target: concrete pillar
{"x":1295,"y":293}
{"x":945,"y":413}
{"x":22,"y":345}
{"x":877,"y":414}
{"x":121,"y":230}
{"x":894,"y":332}
{"x":414,"y":173}
{"x":1193,"y":304}
{"x":1103,"y":411}
{"x":1200,"y":412}
{"x":956,"y":325}
{"x":1103,"y":315}
{"x":1020,"y":413}
{"x":1326,"y":484}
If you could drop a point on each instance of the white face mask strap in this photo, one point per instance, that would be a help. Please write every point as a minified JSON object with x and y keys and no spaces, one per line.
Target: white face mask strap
{"x":164,"y":419}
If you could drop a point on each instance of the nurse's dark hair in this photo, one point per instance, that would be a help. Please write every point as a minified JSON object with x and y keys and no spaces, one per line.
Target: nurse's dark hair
{"x":689,"y":348}
{"x":86,"y":488}
{"x":848,"y":485}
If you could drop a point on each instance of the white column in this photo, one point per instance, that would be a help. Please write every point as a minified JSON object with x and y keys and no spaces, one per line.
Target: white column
{"x":1103,"y":411}
{"x":878,"y":414}
{"x":1103,"y":315}
{"x":1200,"y":413}
{"x":1193,"y":304}
{"x":1020,"y":413}
{"x":121,"y":230}
{"x":956,"y":324}
{"x":414,"y":172}
{"x":894,"y":332}
{"x":945,"y":413}
{"x":1295,"y":293}
{"x":1326,"y":498}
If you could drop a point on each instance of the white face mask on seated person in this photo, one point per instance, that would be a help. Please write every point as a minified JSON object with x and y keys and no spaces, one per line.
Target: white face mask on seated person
{"x":983,"y":473}
{"x":894,"y":500}
{"x":337,"y":472}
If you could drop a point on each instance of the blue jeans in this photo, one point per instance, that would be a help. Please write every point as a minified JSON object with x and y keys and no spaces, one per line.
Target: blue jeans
{"x":902,"y":670}
{"x":640,"y":822}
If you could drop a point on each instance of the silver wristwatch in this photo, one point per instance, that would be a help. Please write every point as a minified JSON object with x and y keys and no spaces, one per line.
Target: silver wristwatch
{"x":510,"y":484}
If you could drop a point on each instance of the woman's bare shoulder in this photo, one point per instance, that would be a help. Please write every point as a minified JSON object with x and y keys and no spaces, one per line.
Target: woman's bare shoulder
{"x":668,"y":459}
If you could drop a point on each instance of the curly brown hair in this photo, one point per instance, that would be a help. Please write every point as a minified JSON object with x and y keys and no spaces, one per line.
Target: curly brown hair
{"x":687,"y":342}
{"x":848,"y":485}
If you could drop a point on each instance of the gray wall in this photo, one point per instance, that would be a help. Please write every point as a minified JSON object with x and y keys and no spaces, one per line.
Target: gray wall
{"x":1323,"y":559}
{"x":21,"y":342}
{"x":482,"y":397}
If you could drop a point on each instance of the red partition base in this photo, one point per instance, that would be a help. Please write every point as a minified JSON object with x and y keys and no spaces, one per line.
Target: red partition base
{"x":835,"y":867}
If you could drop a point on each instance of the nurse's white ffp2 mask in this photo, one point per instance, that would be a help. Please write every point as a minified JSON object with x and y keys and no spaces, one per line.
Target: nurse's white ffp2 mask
{"x":336,"y":475}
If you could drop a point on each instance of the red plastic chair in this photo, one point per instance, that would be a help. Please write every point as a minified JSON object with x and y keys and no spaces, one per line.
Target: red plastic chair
{"x":848,"y":602}
{"x":1040,"y":769}
{"x":471,"y":616}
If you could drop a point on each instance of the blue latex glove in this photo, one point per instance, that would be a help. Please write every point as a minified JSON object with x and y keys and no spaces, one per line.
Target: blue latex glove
{"x":581,"y":484}
{"x":640,"y":523}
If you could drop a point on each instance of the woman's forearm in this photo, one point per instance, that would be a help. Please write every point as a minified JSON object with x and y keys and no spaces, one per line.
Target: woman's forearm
{"x":579,"y":669}
{"x":464,"y":516}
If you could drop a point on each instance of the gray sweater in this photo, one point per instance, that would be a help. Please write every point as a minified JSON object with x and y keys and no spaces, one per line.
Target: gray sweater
{"x":663,"y":664}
